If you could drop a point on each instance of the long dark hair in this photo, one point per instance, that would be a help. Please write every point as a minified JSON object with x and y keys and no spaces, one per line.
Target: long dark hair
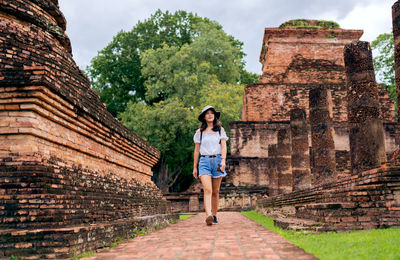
{"x":216,"y":124}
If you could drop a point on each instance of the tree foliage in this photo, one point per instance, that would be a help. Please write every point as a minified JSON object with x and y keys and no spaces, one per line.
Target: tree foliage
{"x":174,"y":72}
{"x":116,"y":72}
{"x":179,"y":83}
{"x":384,"y":62}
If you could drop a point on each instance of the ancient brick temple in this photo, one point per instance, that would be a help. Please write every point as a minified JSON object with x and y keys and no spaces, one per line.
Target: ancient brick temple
{"x":72,"y":178}
{"x":295,"y":61}
{"x":343,"y":152}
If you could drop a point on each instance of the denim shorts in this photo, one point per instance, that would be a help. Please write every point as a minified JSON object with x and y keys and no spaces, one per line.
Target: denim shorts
{"x":208,"y":165}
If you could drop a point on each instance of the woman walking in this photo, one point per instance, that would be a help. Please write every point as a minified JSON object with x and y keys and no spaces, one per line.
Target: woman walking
{"x":210,"y":143}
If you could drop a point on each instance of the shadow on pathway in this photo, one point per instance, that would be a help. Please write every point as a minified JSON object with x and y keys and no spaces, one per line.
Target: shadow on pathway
{"x":236,"y":237}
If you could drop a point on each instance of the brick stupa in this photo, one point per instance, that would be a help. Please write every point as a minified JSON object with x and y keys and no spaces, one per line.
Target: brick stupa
{"x":294,"y":61}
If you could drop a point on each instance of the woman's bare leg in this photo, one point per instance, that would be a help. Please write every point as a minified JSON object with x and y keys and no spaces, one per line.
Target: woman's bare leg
{"x":216,"y":183}
{"x":207,"y":188}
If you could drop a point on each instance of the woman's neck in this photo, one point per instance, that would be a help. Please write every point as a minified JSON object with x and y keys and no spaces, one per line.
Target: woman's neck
{"x":210,"y":125}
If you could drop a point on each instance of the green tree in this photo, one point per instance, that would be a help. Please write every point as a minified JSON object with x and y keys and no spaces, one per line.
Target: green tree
{"x":115,"y":73}
{"x":167,"y":125}
{"x":179,"y":83}
{"x":173,"y":72}
{"x":384,"y":62}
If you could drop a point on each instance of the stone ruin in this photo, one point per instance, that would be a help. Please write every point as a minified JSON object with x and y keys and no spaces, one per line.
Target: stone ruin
{"x":72,"y":177}
{"x":341,"y":171}
{"x":318,"y":144}
{"x":369,"y":196}
{"x":303,"y":68}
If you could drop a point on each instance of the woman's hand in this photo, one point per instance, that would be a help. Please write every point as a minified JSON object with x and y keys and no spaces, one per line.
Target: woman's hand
{"x":195,"y":173}
{"x":223,"y":165}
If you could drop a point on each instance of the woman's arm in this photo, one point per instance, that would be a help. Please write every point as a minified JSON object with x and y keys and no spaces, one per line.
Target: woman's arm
{"x":196,"y":159}
{"x":223,"y":154}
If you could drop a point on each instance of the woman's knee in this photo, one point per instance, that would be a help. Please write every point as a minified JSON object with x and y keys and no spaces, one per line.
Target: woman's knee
{"x":215,"y":192}
{"x":207,"y":190}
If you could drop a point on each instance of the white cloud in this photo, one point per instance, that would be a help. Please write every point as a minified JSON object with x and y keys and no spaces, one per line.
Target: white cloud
{"x":374,"y":19}
{"x":91,"y":24}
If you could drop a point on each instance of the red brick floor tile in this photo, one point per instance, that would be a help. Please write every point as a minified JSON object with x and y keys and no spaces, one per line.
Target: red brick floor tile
{"x":236,"y":237}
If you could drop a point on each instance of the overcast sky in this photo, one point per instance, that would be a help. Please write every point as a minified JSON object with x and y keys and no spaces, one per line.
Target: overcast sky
{"x":91,"y":24}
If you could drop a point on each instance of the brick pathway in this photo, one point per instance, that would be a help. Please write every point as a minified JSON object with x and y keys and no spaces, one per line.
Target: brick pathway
{"x":236,"y":237}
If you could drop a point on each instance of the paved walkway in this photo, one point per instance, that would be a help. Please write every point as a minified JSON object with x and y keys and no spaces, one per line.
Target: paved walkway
{"x":236,"y":237}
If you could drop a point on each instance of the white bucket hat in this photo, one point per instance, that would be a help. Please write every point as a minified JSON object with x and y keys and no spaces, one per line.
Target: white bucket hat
{"x":205,"y":109}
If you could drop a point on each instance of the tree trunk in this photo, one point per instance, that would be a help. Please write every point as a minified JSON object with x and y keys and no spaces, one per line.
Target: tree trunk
{"x":161,"y":176}
{"x":165,"y":180}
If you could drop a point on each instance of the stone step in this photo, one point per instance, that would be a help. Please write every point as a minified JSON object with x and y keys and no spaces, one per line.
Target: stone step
{"x":298,"y":224}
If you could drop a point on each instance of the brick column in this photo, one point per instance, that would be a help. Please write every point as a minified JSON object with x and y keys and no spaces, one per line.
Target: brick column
{"x":272,"y":170}
{"x":323,"y":146}
{"x":284,"y":161}
{"x":194,"y":203}
{"x":367,"y":143}
{"x":300,"y":150}
{"x":396,"y":35}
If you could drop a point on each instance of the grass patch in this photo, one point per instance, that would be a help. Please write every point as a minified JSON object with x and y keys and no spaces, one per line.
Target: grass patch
{"x":86,"y":254}
{"x":307,"y":23}
{"x":367,"y":244}
{"x":185,"y":216}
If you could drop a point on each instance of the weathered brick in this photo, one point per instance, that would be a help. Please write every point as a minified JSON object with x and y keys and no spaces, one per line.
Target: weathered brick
{"x":300,"y":151}
{"x":65,"y":161}
{"x":367,"y":141}
{"x":322,"y":136}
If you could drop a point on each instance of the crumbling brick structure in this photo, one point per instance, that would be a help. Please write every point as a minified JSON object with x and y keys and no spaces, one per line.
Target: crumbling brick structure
{"x":293,"y":60}
{"x":72,"y":177}
{"x":367,"y":145}
{"x":322,"y":134}
{"x":370,"y":197}
{"x":296,"y":61}
{"x":301,"y":174}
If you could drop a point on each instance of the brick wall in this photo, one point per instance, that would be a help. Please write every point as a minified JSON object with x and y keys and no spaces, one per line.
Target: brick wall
{"x":273,"y":101}
{"x":249,"y":162}
{"x":367,"y":200}
{"x":251,"y":139}
{"x":72,"y":177}
{"x":280,"y":45}
{"x":249,"y":172}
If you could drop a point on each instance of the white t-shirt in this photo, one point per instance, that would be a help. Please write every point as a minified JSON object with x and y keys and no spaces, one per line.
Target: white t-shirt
{"x":210,"y":142}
